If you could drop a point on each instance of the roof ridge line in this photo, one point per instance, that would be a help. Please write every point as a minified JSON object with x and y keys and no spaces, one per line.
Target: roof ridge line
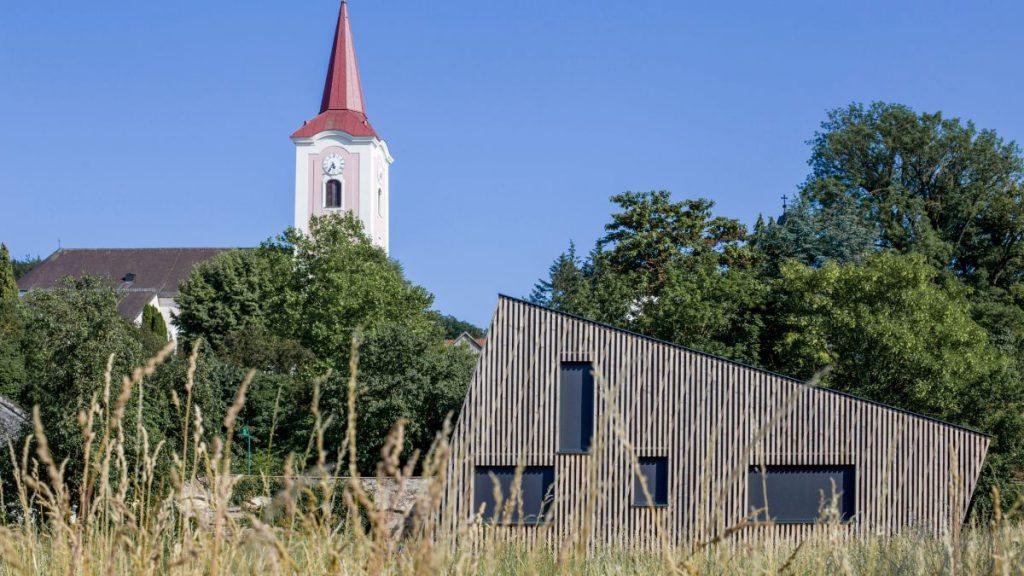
{"x":748,"y":366}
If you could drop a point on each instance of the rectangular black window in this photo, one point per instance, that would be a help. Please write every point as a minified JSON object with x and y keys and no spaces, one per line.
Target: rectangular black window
{"x":536,"y":491}
{"x":655,"y":471}
{"x":575,"y":407}
{"x":800,"y":494}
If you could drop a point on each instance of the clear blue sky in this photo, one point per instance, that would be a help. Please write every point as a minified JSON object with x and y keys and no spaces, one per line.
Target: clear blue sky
{"x":127,"y":123}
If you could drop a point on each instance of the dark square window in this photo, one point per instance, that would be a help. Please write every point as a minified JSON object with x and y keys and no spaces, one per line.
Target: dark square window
{"x":536,"y":491}
{"x":655,"y":471}
{"x":800,"y":494}
{"x":575,"y":407}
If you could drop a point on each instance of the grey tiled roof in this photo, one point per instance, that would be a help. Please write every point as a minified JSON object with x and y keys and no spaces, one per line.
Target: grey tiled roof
{"x":131,"y":303}
{"x":158,"y":270}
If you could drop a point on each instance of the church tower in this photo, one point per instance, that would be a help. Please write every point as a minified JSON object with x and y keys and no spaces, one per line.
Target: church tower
{"x":341,"y":164}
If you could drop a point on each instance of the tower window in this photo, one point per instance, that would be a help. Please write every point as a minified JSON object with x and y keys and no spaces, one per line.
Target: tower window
{"x":380,"y":202}
{"x":332,"y":198}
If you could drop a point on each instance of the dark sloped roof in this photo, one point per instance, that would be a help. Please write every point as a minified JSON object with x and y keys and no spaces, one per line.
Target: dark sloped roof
{"x":158,"y":270}
{"x":131,"y":303}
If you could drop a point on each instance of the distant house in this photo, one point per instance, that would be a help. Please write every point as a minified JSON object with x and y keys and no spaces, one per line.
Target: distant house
{"x":12,"y":419}
{"x":140,"y":276}
{"x":580,"y":411}
{"x":474,"y":345}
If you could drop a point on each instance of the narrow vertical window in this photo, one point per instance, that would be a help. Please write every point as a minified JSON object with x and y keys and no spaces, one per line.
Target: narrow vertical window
{"x":575,"y":407}
{"x":332,"y":198}
{"x":654,"y":472}
{"x":380,"y":202}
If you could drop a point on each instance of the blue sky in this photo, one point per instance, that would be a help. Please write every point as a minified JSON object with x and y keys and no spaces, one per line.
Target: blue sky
{"x":126,"y":123}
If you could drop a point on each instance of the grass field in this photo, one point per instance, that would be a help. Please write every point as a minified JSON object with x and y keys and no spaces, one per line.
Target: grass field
{"x":135,"y":511}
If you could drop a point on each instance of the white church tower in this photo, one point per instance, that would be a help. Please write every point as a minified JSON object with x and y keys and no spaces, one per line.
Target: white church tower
{"x":341,"y":164}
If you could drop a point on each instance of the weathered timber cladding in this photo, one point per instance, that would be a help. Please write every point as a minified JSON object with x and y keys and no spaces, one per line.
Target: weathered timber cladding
{"x":711,"y":417}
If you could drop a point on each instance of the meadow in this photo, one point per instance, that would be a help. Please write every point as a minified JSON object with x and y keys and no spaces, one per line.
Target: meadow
{"x":138,"y":508}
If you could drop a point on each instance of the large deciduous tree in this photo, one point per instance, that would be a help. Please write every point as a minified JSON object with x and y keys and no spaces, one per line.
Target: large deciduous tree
{"x":910,"y":182}
{"x":293,"y":307}
{"x":71,"y":332}
{"x":893,"y":330}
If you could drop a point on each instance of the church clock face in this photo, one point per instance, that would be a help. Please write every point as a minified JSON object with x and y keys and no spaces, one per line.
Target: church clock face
{"x":333,"y":165}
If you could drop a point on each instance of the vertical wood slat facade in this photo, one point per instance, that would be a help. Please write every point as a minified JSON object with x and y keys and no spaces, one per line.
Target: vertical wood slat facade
{"x":711,"y":417}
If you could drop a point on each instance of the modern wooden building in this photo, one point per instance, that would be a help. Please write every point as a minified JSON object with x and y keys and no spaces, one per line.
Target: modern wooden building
{"x":565,"y":412}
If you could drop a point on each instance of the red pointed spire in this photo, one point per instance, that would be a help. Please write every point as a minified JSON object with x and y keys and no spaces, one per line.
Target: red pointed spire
{"x":342,"y":105}
{"x":343,"y":91}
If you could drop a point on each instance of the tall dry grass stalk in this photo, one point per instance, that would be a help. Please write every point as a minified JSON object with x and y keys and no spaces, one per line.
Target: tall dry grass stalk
{"x":140,"y":509}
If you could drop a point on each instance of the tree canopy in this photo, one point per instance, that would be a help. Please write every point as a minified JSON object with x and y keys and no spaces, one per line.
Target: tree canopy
{"x":898,"y":264}
{"x":12,"y":360}
{"x":293,"y":307}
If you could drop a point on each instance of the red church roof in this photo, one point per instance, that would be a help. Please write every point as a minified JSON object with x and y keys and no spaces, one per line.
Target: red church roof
{"x":342,"y":106}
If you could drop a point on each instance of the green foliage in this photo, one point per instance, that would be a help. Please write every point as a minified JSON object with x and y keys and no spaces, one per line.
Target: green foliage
{"x":453,"y":327}
{"x":8,"y":284}
{"x":668,"y":269}
{"x":71,"y":332}
{"x":894,"y":331}
{"x":235,"y":291}
{"x":12,"y":359}
{"x":710,"y":309}
{"x":911,"y":182}
{"x":890,"y":331}
{"x":216,"y":383}
{"x":152,"y":329}
{"x":567,"y":287}
{"x":340,"y":282}
{"x":899,"y":264}
{"x":291,"y":310}
{"x":840,"y":232}
{"x":405,"y":374}
{"x":24,"y":265}
{"x":651,"y":232}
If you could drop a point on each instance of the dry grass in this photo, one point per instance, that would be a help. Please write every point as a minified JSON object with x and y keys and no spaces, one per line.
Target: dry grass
{"x":126,"y":518}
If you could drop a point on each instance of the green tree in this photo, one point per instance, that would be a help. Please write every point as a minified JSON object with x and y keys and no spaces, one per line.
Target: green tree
{"x":568,"y":285}
{"x":152,"y":329}
{"x":12,"y":360}
{"x":840,"y":232}
{"x":651,"y":232}
{"x":237,"y":290}
{"x":405,"y":374}
{"x":708,"y":308}
{"x":672,"y":270}
{"x":70,"y":332}
{"x":341,"y":282}
{"x":927,"y":184}
{"x":25,"y":265}
{"x":328,"y":287}
{"x":453,"y":327}
{"x":894,"y":331}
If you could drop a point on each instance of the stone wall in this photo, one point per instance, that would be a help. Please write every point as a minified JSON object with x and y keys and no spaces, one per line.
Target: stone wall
{"x":11,"y":420}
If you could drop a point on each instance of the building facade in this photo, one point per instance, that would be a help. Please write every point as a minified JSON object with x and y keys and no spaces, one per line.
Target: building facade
{"x":579,"y":412}
{"x":341,"y":164}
